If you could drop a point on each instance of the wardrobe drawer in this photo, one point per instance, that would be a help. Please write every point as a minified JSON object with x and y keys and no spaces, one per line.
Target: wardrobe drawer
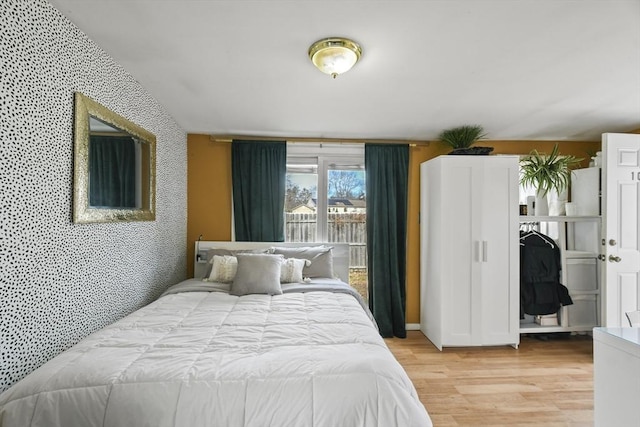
{"x":583,"y":311}
{"x":582,"y":274}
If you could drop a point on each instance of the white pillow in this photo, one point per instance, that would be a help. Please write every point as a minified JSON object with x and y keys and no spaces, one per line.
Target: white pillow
{"x":291,"y":270}
{"x":220,"y":252}
{"x":224,"y":268}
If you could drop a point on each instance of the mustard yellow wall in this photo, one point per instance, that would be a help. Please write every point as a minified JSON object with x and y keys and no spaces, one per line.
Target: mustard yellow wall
{"x":208,"y":192}
{"x":209,"y":195}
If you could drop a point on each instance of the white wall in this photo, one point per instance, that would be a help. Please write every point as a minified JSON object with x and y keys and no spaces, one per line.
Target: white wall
{"x":60,"y":281}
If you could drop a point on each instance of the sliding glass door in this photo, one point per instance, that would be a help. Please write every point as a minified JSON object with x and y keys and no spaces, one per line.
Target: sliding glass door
{"x":325,"y":201}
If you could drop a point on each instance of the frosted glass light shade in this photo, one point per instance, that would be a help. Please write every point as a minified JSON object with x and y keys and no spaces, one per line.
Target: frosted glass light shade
{"x":334,"y":55}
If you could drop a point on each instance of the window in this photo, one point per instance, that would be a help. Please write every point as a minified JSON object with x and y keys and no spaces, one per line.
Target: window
{"x":325,"y":200}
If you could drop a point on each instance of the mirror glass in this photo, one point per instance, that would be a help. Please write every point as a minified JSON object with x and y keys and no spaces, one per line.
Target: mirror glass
{"x":114,"y":166}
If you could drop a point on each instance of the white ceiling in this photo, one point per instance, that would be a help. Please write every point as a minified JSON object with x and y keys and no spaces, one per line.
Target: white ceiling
{"x":524,"y":69}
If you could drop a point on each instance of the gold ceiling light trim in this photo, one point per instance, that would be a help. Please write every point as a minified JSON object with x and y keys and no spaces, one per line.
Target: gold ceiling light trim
{"x":335,"y":55}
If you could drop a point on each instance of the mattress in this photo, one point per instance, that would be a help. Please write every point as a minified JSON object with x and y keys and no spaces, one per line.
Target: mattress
{"x":199,"y":356}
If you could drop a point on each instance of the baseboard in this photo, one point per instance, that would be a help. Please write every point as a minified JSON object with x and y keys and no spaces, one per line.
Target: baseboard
{"x":412,"y":326}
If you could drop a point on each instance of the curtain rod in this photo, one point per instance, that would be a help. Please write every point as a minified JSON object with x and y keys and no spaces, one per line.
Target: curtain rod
{"x":229,"y":138}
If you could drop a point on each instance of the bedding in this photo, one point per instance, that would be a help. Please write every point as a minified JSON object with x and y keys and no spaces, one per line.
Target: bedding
{"x":291,"y":271}
{"x":213,"y":252}
{"x":257,"y":274}
{"x":320,"y":257}
{"x":199,"y":356}
{"x":223,"y":268}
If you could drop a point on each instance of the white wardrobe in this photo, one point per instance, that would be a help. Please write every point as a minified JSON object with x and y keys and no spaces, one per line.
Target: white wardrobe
{"x":469,"y":251}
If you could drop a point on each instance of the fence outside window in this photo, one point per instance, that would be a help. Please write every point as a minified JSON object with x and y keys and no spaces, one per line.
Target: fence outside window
{"x":341,"y":228}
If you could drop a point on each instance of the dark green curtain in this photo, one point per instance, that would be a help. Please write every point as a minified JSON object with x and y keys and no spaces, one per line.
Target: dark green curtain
{"x":112,"y":172}
{"x":387,"y":168}
{"x":258,"y":171}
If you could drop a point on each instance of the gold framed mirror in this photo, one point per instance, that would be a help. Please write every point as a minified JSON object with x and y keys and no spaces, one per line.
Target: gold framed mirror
{"x":114,"y":178}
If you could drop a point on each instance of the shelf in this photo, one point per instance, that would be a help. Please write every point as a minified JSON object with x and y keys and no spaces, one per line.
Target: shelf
{"x":571,"y":254}
{"x":534,"y":328}
{"x":577,"y":292}
{"x":559,"y":218}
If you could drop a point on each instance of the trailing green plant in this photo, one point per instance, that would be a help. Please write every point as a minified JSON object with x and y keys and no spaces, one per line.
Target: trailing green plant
{"x":462,"y":136}
{"x":547,"y":172}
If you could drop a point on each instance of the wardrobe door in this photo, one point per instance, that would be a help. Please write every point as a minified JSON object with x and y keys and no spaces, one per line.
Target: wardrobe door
{"x":499,"y":251}
{"x":461,"y":267}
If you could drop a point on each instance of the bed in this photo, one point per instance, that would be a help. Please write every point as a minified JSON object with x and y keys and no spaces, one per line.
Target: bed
{"x":209,"y":353}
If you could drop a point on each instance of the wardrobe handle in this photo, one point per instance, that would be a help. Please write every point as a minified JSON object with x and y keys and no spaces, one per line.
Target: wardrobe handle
{"x":484,"y":251}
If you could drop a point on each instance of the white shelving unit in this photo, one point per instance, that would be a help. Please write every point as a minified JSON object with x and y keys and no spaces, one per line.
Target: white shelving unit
{"x":579,"y":240}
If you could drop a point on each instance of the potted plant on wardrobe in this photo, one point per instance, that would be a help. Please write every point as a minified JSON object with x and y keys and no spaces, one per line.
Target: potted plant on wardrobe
{"x":546,"y":173}
{"x":462,"y":137}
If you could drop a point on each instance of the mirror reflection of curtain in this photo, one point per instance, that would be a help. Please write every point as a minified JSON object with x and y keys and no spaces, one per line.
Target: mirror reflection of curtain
{"x":258,"y":171}
{"x":112,"y":171}
{"x":387,"y":167}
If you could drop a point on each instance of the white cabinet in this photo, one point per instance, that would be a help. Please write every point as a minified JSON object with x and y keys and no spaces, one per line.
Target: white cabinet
{"x":469,"y":257}
{"x":586,"y":190}
{"x":578,"y":238}
{"x":616,"y":377}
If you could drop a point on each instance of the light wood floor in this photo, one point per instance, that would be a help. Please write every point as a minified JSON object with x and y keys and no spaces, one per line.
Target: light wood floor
{"x":542,"y":383}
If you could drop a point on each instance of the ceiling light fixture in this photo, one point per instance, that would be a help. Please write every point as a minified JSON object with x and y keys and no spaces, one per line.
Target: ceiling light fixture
{"x":335,"y":55}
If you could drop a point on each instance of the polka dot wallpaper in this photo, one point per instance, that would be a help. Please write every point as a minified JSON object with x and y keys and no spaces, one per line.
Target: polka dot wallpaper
{"x":60,"y":281}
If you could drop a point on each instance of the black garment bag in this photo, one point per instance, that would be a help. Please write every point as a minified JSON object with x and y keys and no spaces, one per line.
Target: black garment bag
{"x":540,"y":289}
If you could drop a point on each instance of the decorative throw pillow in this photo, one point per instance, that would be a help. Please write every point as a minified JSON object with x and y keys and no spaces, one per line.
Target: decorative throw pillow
{"x":321,"y":259}
{"x":257,"y":274}
{"x":229,"y":252}
{"x":291,"y":270}
{"x":223,"y":269}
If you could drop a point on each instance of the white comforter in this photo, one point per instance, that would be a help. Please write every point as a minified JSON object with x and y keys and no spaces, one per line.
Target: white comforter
{"x":212,"y":359}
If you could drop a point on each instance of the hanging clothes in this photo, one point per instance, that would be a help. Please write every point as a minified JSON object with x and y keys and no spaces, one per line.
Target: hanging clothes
{"x":540,"y":289}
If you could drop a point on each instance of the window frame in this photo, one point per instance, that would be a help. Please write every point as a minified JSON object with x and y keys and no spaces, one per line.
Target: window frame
{"x":328,"y":156}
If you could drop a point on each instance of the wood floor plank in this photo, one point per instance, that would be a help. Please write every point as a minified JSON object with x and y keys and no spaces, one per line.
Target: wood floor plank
{"x":542,"y":383}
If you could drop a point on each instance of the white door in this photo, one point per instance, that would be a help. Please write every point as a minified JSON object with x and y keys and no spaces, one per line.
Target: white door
{"x":499,"y":251}
{"x":461,"y":266}
{"x":621,"y":202}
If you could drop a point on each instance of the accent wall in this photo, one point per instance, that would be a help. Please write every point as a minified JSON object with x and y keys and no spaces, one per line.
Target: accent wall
{"x":61,"y":281}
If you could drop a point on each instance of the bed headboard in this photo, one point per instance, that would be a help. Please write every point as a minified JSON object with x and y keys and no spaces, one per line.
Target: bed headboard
{"x":340,"y":254}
